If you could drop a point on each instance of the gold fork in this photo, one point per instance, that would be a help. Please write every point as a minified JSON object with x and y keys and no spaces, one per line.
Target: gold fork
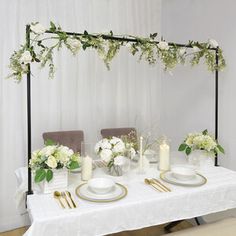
{"x":64,"y":196}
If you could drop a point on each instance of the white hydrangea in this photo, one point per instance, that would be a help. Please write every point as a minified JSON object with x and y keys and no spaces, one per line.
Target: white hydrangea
{"x":105,"y":144}
{"x":37,"y":28}
{"x":106,"y":155}
{"x":26,"y":57}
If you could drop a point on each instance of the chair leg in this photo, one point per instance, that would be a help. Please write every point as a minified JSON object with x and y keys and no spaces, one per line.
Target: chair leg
{"x":197,"y":221}
{"x":168,"y":227}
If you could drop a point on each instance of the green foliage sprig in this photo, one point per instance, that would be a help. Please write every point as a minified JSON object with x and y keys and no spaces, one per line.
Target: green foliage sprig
{"x":42,"y":48}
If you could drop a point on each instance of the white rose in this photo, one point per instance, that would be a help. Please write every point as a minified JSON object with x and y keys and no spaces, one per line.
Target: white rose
{"x":119,"y":147}
{"x":26,"y":57}
{"x":182,"y":51}
{"x":97,"y":147}
{"x":115,"y":140}
{"x":51,"y":162}
{"x":163,"y":45}
{"x":106,"y":155}
{"x":65,"y":150}
{"x":37,"y":28}
{"x":105,"y":144}
{"x":47,"y":151}
{"x":119,"y":160}
{"x":213,"y":43}
{"x":74,"y":44}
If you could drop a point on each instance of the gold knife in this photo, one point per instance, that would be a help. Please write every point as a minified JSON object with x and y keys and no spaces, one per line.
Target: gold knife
{"x":161,"y":184}
{"x":69,"y":195}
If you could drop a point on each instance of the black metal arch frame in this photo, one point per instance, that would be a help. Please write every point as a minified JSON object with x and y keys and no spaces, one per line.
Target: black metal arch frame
{"x":106,"y":37}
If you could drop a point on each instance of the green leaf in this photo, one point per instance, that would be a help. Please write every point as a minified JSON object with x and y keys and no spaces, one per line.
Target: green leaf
{"x":39,"y":175}
{"x":49,"y":142}
{"x":49,"y":175}
{"x":85,"y":32}
{"x":73,"y":165}
{"x":205,"y":132}
{"x":52,"y":26}
{"x":221,"y":149}
{"x":188,"y":150}
{"x":182,"y":147}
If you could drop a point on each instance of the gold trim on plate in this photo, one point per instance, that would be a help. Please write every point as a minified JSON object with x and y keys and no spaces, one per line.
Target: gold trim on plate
{"x":162,"y":176}
{"x":101,"y":200}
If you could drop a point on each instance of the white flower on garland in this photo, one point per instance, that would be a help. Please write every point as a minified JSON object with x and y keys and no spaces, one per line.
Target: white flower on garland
{"x":26,"y":57}
{"x":182,"y":51}
{"x":196,"y":49}
{"x":37,"y":28}
{"x":163,"y":45}
{"x":73,"y":44}
{"x":213,"y":43}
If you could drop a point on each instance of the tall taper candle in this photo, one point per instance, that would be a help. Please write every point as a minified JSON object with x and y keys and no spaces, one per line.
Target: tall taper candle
{"x":141,"y":154}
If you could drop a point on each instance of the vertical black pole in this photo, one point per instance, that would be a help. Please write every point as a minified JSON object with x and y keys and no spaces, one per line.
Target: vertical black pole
{"x":29,"y":113}
{"x":216,"y":100}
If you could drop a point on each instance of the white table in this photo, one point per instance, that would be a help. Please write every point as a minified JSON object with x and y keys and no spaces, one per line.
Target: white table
{"x":142,"y":207}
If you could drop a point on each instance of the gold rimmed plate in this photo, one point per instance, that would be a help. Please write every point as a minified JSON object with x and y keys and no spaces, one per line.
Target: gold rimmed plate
{"x":198,"y":180}
{"x":117,"y":193}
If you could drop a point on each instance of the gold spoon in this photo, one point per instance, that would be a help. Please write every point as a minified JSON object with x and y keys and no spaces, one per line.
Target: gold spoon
{"x":147,"y":181}
{"x":57,"y":195}
{"x":69,"y":195}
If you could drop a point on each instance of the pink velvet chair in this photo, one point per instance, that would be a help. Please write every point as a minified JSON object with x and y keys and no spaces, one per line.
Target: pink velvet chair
{"x":71,"y":139}
{"x":118,"y":132}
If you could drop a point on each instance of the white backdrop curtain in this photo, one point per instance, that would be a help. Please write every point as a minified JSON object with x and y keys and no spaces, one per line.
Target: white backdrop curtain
{"x":83,"y":95}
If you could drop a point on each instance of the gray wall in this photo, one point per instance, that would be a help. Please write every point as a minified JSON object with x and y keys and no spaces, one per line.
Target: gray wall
{"x":188,"y":95}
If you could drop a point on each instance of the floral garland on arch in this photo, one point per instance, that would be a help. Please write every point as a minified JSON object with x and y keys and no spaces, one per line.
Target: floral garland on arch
{"x":42,"y":47}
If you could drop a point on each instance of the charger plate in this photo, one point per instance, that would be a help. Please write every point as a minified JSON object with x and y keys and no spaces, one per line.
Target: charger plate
{"x":198,"y":180}
{"x":119,"y":192}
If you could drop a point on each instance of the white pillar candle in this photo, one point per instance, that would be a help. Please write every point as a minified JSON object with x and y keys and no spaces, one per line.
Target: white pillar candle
{"x":164,"y":155}
{"x":141,"y":153}
{"x":87,"y":166}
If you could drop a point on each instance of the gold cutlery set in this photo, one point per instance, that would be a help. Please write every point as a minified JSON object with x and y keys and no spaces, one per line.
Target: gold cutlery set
{"x":157,"y":185}
{"x":64,"y":195}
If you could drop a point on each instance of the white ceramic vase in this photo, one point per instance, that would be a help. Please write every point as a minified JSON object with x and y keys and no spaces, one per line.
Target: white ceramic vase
{"x":200,"y":159}
{"x":59,"y":181}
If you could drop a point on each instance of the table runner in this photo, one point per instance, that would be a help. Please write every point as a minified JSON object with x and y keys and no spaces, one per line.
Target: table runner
{"x":142,"y":207}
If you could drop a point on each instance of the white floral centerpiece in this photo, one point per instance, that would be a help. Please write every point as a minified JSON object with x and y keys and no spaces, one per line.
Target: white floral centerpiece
{"x":201,"y":141}
{"x":52,"y":161}
{"x":200,"y":147}
{"x":113,"y":151}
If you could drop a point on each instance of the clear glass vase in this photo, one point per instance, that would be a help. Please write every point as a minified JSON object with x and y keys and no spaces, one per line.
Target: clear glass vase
{"x":115,"y":170}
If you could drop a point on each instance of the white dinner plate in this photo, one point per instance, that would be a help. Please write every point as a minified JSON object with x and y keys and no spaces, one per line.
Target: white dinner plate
{"x":118,"y":192}
{"x":78,"y":170}
{"x":198,"y":180}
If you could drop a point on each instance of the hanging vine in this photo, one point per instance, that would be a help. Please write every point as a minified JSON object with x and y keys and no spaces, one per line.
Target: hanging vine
{"x":42,"y":48}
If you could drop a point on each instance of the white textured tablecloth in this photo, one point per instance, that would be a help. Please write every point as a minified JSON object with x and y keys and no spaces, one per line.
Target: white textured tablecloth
{"x":142,"y":207}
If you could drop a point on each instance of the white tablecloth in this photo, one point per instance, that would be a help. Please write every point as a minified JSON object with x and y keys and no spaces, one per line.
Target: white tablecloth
{"x":142,"y":207}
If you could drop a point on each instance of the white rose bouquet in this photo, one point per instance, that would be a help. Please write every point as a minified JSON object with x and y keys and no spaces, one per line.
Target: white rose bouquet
{"x":112,"y":151}
{"x":52,"y":157}
{"x":201,"y":141}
